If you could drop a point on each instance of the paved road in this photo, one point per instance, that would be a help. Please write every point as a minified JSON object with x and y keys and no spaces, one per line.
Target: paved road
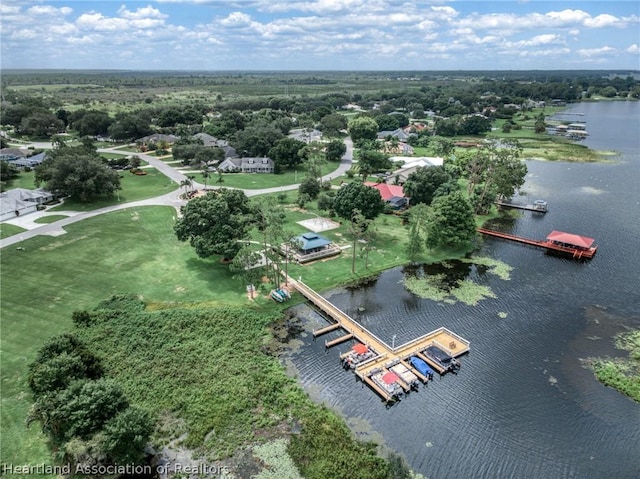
{"x":169,"y":199}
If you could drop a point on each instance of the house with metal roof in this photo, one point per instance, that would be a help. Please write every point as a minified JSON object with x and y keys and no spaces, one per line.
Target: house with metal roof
{"x":311,"y":246}
{"x":247,"y":165}
{"x":20,"y":201}
{"x":393,"y":195}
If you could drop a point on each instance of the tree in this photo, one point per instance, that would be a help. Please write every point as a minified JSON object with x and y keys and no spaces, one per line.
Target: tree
{"x":370,"y":161}
{"x":497,"y":168}
{"x":475,"y":125}
{"x":422,"y":184}
{"x":8,"y":172}
{"x":419,"y":216}
{"x":80,"y":410}
{"x":335,"y":150}
{"x":125,"y":436}
{"x":205,"y":176}
{"x":358,"y":227}
{"x":540,"y":125}
{"x":40,"y":124}
{"x":78,"y":173}
{"x":363,"y":128}
{"x":332,"y":124}
{"x":309,"y":186}
{"x":256,"y":140}
{"x":244,"y":264}
{"x":356,"y":196}
{"x":216,"y":222}
{"x":453,"y":222}
{"x":286,"y":153}
{"x":442,"y":146}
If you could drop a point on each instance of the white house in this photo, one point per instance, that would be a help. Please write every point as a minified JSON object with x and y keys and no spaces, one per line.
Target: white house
{"x":247,"y":165}
{"x":20,"y":201}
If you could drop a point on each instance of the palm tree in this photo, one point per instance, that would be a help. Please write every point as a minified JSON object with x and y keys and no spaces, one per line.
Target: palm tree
{"x":205,"y":176}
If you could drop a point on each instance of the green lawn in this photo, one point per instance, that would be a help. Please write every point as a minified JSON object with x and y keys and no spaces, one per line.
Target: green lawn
{"x":24,"y":180}
{"x":49,"y":219}
{"x":134,"y":188}
{"x":7,"y":230}
{"x":126,"y":251}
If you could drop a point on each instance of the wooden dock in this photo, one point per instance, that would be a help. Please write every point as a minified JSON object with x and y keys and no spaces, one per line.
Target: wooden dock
{"x":386,"y":357}
{"x":536,"y":208}
{"x":576,"y":252}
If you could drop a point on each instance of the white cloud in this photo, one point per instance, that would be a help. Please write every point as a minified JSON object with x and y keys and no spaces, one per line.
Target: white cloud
{"x":545,"y":39}
{"x":49,"y":10}
{"x":596,"y":52}
{"x":634,"y":49}
{"x":141,"y":13}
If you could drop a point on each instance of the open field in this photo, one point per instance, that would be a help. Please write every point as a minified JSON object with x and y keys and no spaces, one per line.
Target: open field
{"x":131,"y":250}
{"x":134,"y":188}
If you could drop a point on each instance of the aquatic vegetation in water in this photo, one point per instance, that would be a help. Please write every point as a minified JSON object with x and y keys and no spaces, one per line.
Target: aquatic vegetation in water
{"x":470,"y":292}
{"x":622,"y":374}
{"x":442,"y":287}
{"x":428,"y":287}
{"x":500,"y":269}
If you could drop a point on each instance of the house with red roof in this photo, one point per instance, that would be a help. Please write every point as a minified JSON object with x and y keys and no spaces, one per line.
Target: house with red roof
{"x":393,"y":195}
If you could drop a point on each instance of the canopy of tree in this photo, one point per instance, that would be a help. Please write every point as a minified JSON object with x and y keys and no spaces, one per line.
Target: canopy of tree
{"x":357,"y":196}
{"x":216,"y":222}
{"x":287,"y":153}
{"x":77,"y":172}
{"x":421,"y":186}
{"x":335,"y":150}
{"x":84,"y":414}
{"x":363,"y":128}
{"x":452,"y":221}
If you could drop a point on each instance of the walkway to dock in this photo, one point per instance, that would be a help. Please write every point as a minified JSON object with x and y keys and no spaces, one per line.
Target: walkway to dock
{"x":386,"y":356}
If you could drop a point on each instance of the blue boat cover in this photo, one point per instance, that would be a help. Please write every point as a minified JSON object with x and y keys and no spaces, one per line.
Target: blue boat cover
{"x":421,"y":366}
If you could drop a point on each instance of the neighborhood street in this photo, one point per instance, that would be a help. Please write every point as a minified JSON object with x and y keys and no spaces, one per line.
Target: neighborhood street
{"x":170,"y":199}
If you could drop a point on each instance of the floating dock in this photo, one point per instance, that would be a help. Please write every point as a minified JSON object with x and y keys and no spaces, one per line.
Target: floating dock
{"x":576,"y":246}
{"x":378,"y":371}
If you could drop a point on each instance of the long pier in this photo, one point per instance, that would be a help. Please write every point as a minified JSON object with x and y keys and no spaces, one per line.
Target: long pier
{"x":537,"y":208}
{"x":575,"y":251}
{"x":386,"y":356}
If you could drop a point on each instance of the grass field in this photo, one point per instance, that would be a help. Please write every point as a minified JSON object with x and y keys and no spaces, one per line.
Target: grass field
{"x":134,"y":188}
{"x":7,"y":230}
{"x":131,"y":250}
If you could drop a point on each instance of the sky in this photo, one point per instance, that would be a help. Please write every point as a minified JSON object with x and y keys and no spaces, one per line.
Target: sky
{"x":320,"y":35}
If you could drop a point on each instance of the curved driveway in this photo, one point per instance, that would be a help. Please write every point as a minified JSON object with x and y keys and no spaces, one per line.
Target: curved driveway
{"x":170,"y":199}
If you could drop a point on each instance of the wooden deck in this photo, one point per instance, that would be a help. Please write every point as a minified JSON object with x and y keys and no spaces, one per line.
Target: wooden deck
{"x":387,"y":357}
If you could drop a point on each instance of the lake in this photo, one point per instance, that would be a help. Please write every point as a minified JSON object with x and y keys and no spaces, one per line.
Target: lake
{"x":523,"y":404}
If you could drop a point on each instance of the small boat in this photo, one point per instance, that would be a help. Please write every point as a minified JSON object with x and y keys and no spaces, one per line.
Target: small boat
{"x":359,"y":353}
{"x":284,"y":293}
{"x":444,"y":359}
{"x":277,"y":296}
{"x":405,"y":374}
{"x":422,"y":367}
{"x":389,"y":382}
